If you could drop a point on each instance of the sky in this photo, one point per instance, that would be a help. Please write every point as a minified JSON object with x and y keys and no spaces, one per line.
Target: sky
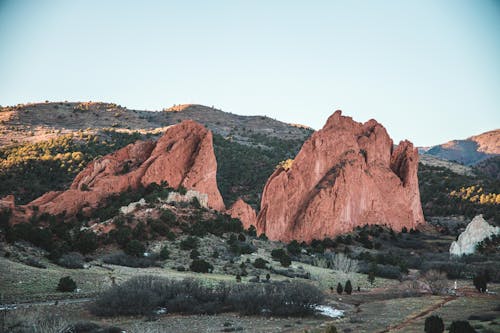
{"x":428,"y":70}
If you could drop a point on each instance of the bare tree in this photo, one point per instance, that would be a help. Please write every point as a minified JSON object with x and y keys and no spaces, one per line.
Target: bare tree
{"x":341,"y":262}
{"x":436,"y":281}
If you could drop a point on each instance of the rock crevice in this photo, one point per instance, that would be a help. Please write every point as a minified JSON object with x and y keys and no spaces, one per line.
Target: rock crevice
{"x":346,"y":175}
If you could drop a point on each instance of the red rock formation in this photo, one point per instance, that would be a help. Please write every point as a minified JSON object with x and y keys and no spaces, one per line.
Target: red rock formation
{"x":345,"y":175}
{"x":184,"y":156}
{"x":243,"y":211}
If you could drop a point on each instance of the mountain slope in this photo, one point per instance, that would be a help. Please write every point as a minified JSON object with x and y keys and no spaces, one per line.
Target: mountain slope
{"x":471,"y":150}
{"x":42,"y":121}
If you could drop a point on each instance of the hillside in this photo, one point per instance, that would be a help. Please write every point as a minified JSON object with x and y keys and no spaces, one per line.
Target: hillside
{"x":42,"y":121}
{"x":469,"y":151}
{"x":60,"y":139}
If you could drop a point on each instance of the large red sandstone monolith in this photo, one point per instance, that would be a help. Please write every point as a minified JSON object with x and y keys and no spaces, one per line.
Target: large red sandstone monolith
{"x":345,"y":175}
{"x":184,"y":156}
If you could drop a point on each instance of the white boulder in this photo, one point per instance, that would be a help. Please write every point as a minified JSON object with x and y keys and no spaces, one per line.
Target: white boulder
{"x":477,"y":230}
{"x":132,"y":206}
{"x":188,"y":197}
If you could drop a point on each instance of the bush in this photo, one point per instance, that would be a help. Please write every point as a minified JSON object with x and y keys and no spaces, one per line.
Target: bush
{"x":285,"y":261}
{"x":189,"y":243}
{"x":348,"y":287}
{"x":194,"y":254}
{"x":461,"y":326}
{"x":135,"y":248}
{"x":293,"y":248}
{"x":371,"y":277}
{"x":134,"y":297}
{"x":480,"y":282}
{"x":260,"y":263}
{"x":143,"y":294}
{"x":437,"y":281}
{"x":434,"y":324}
{"x":201,"y":266}
{"x":122,"y":259}
{"x":276,"y":298}
{"x":86,"y":242}
{"x":71,"y":260}
{"x":164,"y":253}
{"x":66,"y":284}
{"x":276,"y":254}
{"x":340,"y":289}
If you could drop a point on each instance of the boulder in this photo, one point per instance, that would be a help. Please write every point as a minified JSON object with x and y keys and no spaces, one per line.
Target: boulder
{"x":346,"y":175}
{"x":188,"y":197}
{"x":131,"y":207}
{"x":244,"y":212}
{"x":476,"y":231}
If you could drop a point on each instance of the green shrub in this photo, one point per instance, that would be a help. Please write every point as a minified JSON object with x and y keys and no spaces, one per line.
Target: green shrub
{"x":143,"y":294}
{"x":434,"y":324}
{"x":86,"y":242}
{"x":340,"y":289}
{"x":260,"y":263}
{"x":194,"y":254}
{"x":277,"y":254}
{"x":164,"y":253}
{"x":285,"y":261}
{"x":122,"y":259}
{"x":66,"y":284}
{"x":293,"y":248}
{"x":135,"y":248}
{"x":480,"y":282}
{"x":461,"y":326}
{"x":348,"y":287}
{"x":201,"y":266}
{"x":71,"y":260}
{"x":189,"y":243}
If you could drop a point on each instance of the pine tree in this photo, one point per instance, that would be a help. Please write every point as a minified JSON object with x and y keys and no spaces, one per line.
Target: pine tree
{"x":339,"y":289}
{"x":348,"y":287}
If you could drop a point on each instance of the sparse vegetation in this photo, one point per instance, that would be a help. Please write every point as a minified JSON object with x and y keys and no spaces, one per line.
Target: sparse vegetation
{"x":143,"y":294}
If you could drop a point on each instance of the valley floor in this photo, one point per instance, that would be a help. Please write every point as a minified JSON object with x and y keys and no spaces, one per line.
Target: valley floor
{"x":377,"y":309}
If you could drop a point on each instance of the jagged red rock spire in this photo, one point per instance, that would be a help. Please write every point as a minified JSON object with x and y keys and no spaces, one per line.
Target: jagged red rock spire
{"x":184,"y":156}
{"x":345,"y":175}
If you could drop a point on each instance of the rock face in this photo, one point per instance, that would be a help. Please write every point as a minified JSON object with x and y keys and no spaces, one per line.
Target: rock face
{"x":183,"y":156}
{"x":346,"y":175}
{"x":188,"y":197}
{"x":477,"y":230}
{"x":243,"y":211}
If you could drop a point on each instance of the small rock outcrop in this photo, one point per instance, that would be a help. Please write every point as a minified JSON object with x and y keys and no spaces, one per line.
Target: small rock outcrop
{"x":243,"y":211}
{"x":347,"y":174}
{"x":183,"y":156}
{"x":131,"y":207}
{"x":477,"y":230}
{"x":188,"y":197}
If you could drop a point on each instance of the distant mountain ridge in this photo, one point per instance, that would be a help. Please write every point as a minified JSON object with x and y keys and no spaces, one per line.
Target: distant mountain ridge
{"x":42,"y":121}
{"x":469,"y":151}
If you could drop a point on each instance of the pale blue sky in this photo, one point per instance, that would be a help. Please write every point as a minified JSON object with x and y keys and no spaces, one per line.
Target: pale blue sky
{"x":428,"y":70}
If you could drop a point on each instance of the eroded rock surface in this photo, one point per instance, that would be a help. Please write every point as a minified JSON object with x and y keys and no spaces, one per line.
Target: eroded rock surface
{"x":477,"y":230}
{"x":243,"y":211}
{"x":346,"y":175}
{"x":183,"y":156}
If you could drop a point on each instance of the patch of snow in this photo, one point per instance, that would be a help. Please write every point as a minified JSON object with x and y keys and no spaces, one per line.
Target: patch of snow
{"x":329,"y":311}
{"x":161,"y":311}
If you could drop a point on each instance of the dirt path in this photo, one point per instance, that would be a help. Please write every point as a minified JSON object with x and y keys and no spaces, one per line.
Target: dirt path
{"x":408,"y":320}
{"x":66,"y":301}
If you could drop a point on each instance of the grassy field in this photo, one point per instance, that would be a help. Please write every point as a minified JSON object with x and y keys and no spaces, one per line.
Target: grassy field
{"x":377,"y":308}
